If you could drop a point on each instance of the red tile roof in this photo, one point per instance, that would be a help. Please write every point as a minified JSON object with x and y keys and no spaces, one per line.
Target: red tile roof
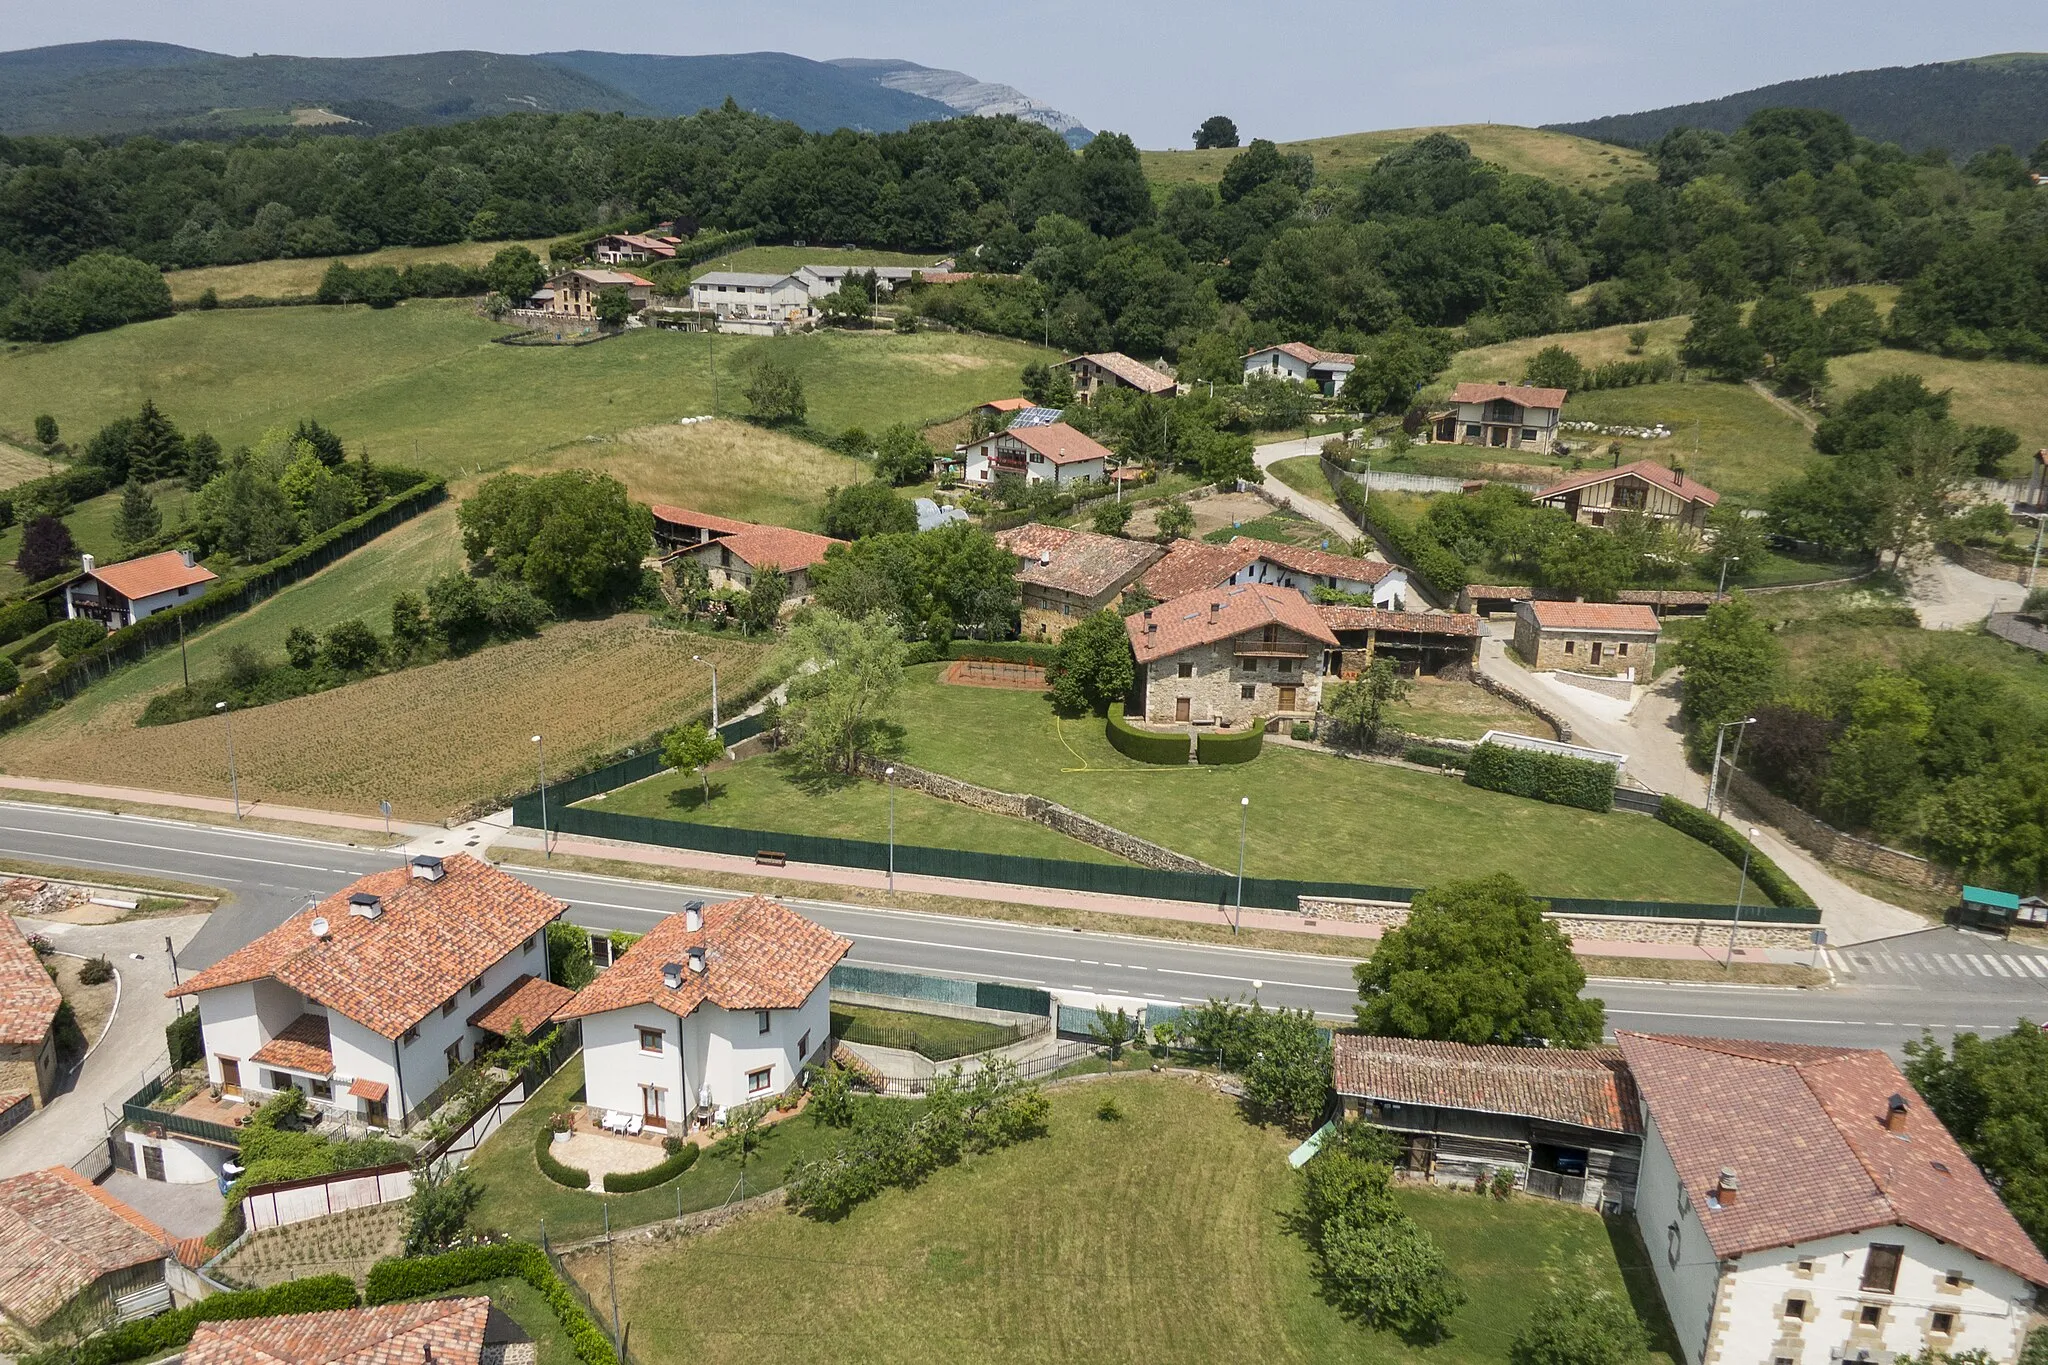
{"x":1514,"y":393}
{"x":1518,"y":592}
{"x":1060,"y":443}
{"x":1009,"y":404}
{"x":703,"y":521}
{"x":301,"y":1045}
{"x":1138,"y":376}
{"x":1307,"y":354}
{"x":390,"y":972}
{"x":1413,"y":622}
{"x":1310,"y":561}
{"x":1190,"y":565}
{"x":1649,"y":471}
{"x":373,"y":1091}
{"x":1592,"y":616}
{"x":1205,"y":617}
{"x":529,"y":1001}
{"x":1803,"y":1129}
{"x":443,"y":1331}
{"x":28,"y":998}
{"x":145,"y":577}
{"x":778,"y":547}
{"x":60,"y":1232}
{"x":759,"y":955}
{"x":1589,"y":1089}
{"x":1079,"y":562}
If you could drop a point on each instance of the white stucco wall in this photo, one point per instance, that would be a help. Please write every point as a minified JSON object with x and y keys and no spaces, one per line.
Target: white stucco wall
{"x":1276,"y":363}
{"x":187,"y":1161}
{"x":1386,"y":593}
{"x":712,"y":1045}
{"x":1691,"y":1285}
{"x":236,"y":1020}
{"x":615,"y":1066}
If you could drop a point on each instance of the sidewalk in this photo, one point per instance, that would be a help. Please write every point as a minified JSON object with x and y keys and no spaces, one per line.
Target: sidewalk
{"x":214,"y":805}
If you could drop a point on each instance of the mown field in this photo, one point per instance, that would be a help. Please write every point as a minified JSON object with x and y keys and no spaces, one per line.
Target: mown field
{"x":19,"y":466}
{"x":1164,"y":1236}
{"x":422,"y":384}
{"x":777,"y":260}
{"x":1574,"y":161}
{"x":431,"y":740}
{"x":286,"y":278}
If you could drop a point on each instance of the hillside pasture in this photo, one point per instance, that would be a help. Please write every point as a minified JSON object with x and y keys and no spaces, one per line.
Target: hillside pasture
{"x":2006,"y":393}
{"x":92,"y":529}
{"x":783,"y":260}
{"x":299,"y":276}
{"x":1574,"y":161}
{"x":19,"y":466}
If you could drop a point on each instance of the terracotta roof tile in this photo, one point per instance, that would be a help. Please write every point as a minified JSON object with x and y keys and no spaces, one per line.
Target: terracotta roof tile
{"x":1307,"y":354}
{"x":1190,"y":565}
{"x":1592,"y":616}
{"x":529,"y":1001}
{"x":777,"y":547}
{"x":1649,"y":471}
{"x":1137,"y":375}
{"x":390,"y":972}
{"x":1803,"y":1129}
{"x":1008,"y":404}
{"x":1200,"y":618}
{"x":1059,"y":442}
{"x":703,"y":521}
{"x":759,"y":955}
{"x":443,"y":1331}
{"x":1514,"y":393}
{"x":373,"y":1091}
{"x":58,"y":1233}
{"x":1413,"y":622}
{"x":1588,"y":1089}
{"x":1079,"y":562}
{"x":152,"y":574}
{"x":1303,"y":559}
{"x":1516,"y":592}
{"x":301,"y":1045}
{"x":28,"y":998}
{"x":1667,"y":597}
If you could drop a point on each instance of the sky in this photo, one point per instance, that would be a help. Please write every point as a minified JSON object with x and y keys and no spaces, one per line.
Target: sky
{"x":1155,"y":69}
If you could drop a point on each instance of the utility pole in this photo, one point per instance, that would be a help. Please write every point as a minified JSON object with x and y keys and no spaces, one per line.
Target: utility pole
{"x":234,"y":782}
{"x":1735,"y":925}
{"x":547,"y":849}
{"x":1722,"y":589}
{"x":889,"y":780}
{"x":2040,"y":524}
{"x":186,"y":664}
{"x":1244,"y":812}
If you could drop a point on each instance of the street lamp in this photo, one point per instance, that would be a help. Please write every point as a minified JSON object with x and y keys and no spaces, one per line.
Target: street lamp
{"x":234,"y":782}
{"x":171,"y":950}
{"x":1735,"y":926}
{"x":1244,"y":811}
{"x":889,"y":781}
{"x":1722,"y":588}
{"x":1714,"y":773}
{"x":547,"y":851}
{"x":700,"y":659}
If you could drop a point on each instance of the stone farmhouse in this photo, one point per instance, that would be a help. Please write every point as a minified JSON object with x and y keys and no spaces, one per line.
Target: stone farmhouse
{"x":1803,"y":1206}
{"x":1608,"y":638}
{"x":1192,"y":565}
{"x":716,"y":1007}
{"x":1064,"y":575}
{"x":1591,"y":496}
{"x":121,"y":594}
{"x":466,"y":1331}
{"x":29,"y":1001}
{"x":679,"y":528}
{"x":573,"y":293}
{"x":733,"y":558}
{"x":1502,"y":416}
{"x":1302,"y":363}
{"x":1114,"y":370}
{"x":1229,"y":656}
{"x":66,"y":1244}
{"x":1057,"y":454}
{"x":1416,"y":641}
{"x":624,"y":247}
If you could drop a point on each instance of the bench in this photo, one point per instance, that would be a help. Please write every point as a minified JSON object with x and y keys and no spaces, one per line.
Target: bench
{"x":767,"y":857}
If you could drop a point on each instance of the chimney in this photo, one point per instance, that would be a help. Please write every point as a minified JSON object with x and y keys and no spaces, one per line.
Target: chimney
{"x":319,"y":927}
{"x":1725,"y":1190}
{"x":1151,"y":627}
{"x":1148,"y":613}
{"x":1044,"y":558}
{"x":186,"y":556}
{"x":365,"y":905}
{"x":693,"y":916}
{"x":697,"y":960}
{"x":1895,"y":1114}
{"x":672,"y":975}
{"x":1214,"y":609}
{"x":428,"y":868}
{"x":427,"y":1353}
{"x":85,"y":563}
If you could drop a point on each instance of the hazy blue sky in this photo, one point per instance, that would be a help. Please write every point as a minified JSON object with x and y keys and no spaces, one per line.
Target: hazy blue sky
{"x":1156,"y":69}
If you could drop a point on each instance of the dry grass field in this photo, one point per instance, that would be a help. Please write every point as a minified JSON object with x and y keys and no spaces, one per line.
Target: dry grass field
{"x":778,"y":259}
{"x":2007,"y":393}
{"x":1575,"y":161}
{"x":430,"y":740}
{"x":19,"y":466}
{"x":282,"y":279}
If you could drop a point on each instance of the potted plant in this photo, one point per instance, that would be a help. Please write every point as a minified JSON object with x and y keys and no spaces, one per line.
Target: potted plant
{"x":561,"y":1126}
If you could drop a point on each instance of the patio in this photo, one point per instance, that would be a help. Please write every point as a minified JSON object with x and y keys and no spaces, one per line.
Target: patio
{"x":592,"y":1149}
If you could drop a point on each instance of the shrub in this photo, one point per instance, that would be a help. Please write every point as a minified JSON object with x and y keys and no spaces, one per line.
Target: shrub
{"x":10,"y":675}
{"x":1109,"y":1111}
{"x":1143,"y":745}
{"x":97,"y":971}
{"x":1301,"y":730}
{"x":416,"y":1277}
{"x":1579,"y":1326}
{"x":1392,"y":1274}
{"x":1770,"y":879}
{"x":181,"y":1037}
{"x":554,"y":1170}
{"x":23,"y":618}
{"x":1412,"y":543}
{"x":1431,"y":756}
{"x":76,"y":636}
{"x":626,"y":1182}
{"x":1554,"y":778}
{"x":1215,"y":748}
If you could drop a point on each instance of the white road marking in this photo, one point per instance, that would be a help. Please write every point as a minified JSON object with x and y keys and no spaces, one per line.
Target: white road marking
{"x":164,"y":848}
{"x":1999,"y":963}
{"x":2033,"y":964}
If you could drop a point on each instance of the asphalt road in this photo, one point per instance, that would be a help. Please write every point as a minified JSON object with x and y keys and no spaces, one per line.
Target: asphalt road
{"x":272,"y":876}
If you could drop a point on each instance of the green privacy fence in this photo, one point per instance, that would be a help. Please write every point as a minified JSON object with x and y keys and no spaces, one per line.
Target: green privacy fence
{"x":625,"y":772}
{"x":987,"y":995}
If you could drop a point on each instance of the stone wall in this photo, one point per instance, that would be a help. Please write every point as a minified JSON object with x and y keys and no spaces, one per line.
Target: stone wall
{"x":1826,"y":842}
{"x":1038,"y":810}
{"x":1619,"y":688}
{"x":689,"y":1225}
{"x":1607,"y":928}
{"x":1509,"y":692}
{"x":1982,"y":562}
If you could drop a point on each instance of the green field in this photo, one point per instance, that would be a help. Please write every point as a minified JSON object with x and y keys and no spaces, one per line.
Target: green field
{"x":1568,"y":160}
{"x":422,"y":384}
{"x":930,"y":1035}
{"x":92,"y":528}
{"x":300,"y":275}
{"x":1312,"y":816}
{"x":763,"y":793}
{"x":1161,"y":1237}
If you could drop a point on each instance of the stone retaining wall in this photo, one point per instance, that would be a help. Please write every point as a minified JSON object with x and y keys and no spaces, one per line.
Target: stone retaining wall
{"x":1522,"y":699}
{"x":1610,"y":928}
{"x":1826,"y":842}
{"x":1619,"y":688}
{"x":2017,"y":629}
{"x":1982,"y":562}
{"x":689,"y":1225}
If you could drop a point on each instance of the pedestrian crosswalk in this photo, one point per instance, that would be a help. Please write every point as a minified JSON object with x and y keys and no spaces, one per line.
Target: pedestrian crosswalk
{"x":1874,"y":961}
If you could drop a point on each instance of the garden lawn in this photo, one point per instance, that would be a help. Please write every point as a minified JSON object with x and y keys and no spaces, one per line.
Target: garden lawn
{"x":765,"y":793}
{"x":517,"y":1197}
{"x":1446,"y":708}
{"x":1160,"y":1237}
{"x":300,"y":276}
{"x":421,"y":384}
{"x":929,"y":1035}
{"x":1304,"y":474}
{"x":1312,"y":816}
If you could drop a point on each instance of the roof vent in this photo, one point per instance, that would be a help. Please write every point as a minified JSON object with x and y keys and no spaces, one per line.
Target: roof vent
{"x":693,"y":916}
{"x":672,"y":974}
{"x":1895,"y":1110}
{"x":363,"y":904}
{"x":1148,"y":613}
{"x":1725,"y":1189}
{"x":319,"y":926}
{"x":1215,"y":607}
{"x":428,"y":868}
{"x":697,"y":960}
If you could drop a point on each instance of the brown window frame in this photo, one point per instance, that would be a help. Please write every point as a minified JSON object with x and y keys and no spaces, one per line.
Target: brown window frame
{"x":660,"y":1040}
{"x":1881,"y":1268}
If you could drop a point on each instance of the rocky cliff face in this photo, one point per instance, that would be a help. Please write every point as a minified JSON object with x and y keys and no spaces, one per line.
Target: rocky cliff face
{"x":963,"y":93}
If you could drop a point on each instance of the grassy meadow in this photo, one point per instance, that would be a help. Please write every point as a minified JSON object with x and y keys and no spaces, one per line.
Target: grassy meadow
{"x":1164,"y":1236}
{"x":1574,"y":161}
{"x":300,"y":276}
{"x":781,"y":260}
{"x":19,"y":466}
{"x":92,"y":527}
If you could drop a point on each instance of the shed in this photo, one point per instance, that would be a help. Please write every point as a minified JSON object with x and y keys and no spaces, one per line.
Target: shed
{"x":1978,"y":908}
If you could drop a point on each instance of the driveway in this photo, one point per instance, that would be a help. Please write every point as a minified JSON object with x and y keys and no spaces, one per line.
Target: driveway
{"x":1313,"y":508}
{"x":73,"y":1126}
{"x":1951,"y":597}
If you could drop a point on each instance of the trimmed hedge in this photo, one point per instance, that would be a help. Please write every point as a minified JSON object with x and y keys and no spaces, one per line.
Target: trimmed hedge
{"x":166,"y":1332}
{"x":627,"y":1182}
{"x":1430,"y":756}
{"x":1770,"y":879}
{"x":1143,"y":745}
{"x":395,"y":1279}
{"x":1229,"y":748}
{"x":1004,"y":651}
{"x":571,"y":1176}
{"x":1554,"y":778}
{"x":1426,"y":557}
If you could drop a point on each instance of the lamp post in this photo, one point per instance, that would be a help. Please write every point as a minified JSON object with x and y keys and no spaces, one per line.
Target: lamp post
{"x":1714,"y":773}
{"x":234,"y":782}
{"x":1722,"y":588}
{"x":700,"y":659}
{"x":172,"y":951}
{"x":1244,"y":812}
{"x":2040,"y":524}
{"x":889,"y":781}
{"x":1735,"y":925}
{"x":547,"y":850}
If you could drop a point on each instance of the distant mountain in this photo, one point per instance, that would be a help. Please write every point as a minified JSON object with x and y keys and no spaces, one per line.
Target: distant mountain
{"x":1959,"y":107}
{"x":817,"y":95}
{"x":964,"y":94}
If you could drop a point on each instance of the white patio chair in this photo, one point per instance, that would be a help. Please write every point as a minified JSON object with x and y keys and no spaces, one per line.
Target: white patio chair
{"x":633,"y":1125}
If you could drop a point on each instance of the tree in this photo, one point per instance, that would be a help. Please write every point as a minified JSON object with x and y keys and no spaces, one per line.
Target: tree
{"x":301,"y":647}
{"x":1176,"y":521}
{"x":138,"y":520}
{"x":46,"y":549}
{"x":1288,"y":1078}
{"x":1554,"y":367}
{"x":1114,"y":1028}
{"x":1216,"y":131}
{"x":1049,"y":386}
{"x":866,"y":509}
{"x":775,"y":394}
{"x":1851,"y":324}
{"x":573,"y":536}
{"x":1575,"y":1325}
{"x":691,"y":582}
{"x":902,"y":455}
{"x":410,"y":628}
{"x":439,"y":1208}
{"x":1718,"y":343}
{"x":847,"y":302}
{"x":1092,"y":665}
{"x":1586,"y":562}
{"x":1477,"y":963}
{"x":1111,"y":517}
{"x":515,"y":272}
{"x":1737,"y":540}
{"x":1392,"y":367}
{"x":46,"y":430}
{"x":693,"y":748}
{"x":760,"y":607}
{"x":350,"y":645}
{"x":1357,"y":705}
{"x":155,"y":449}
{"x":1992,"y":1094}
{"x":614,"y":306}
{"x":1732,"y":663}
{"x":1390,"y":1273}
{"x":202,"y":461}
{"x":837,"y":712}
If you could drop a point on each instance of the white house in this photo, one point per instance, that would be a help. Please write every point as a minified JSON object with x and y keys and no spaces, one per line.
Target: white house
{"x":748,"y":302}
{"x":1057,"y":454}
{"x":364,"y":1001}
{"x":1302,"y":363}
{"x":821,"y":280}
{"x":1503,"y":416}
{"x":717,"y":1006}
{"x":122,"y":594}
{"x":733,"y":559}
{"x":1803,"y":1206}
{"x":1305,"y":570}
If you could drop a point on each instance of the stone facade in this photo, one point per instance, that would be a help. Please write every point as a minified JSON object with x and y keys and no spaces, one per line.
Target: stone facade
{"x":1826,"y":842}
{"x":1606,"y":685}
{"x":1607,"y":928}
{"x":1584,"y":650}
{"x":1208,"y":684}
{"x":30,"y":1070}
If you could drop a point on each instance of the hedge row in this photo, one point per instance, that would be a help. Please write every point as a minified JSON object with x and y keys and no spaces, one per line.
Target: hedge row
{"x":1430,"y":756}
{"x":1144,"y":745}
{"x":571,"y":1176}
{"x":1426,"y":556}
{"x":1005,"y":651}
{"x":1771,"y":881}
{"x":1211,"y":747}
{"x":1554,"y":778}
{"x":628,"y":1182}
{"x":166,"y":1332}
{"x":393,"y":1280}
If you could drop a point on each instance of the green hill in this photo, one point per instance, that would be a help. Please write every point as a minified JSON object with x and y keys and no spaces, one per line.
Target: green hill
{"x":1569,"y":160}
{"x":1959,"y":107}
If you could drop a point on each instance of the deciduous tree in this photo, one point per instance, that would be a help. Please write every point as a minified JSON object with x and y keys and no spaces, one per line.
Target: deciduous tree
{"x":838,"y":710}
{"x":866,"y":509}
{"x":1092,"y":665}
{"x":693,"y":748}
{"x":1578,"y":1325}
{"x":775,"y":394}
{"x":1992,"y":1094}
{"x":1176,"y":520}
{"x":1357,"y":706}
{"x":1216,"y":131}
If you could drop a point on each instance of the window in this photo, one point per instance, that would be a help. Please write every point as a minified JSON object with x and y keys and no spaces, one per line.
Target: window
{"x":1871,"y":1316}
{"x":757,"y":1081}
{"x":1621,"y":648}
{"x":476,"y":986}
{"x":1881,"y":1268}
{"x":322,"y":1090}
{"x":1806,"y":1265}
{"x":448,"y":1006}
{"x":1953,"y":1280}
{"x":1187,"y":670}
{"x":803,"y":1045}
{"x":454,"y":1056}
{"x":650,"y":1040}
{"x":531,"y":941}
{"x":761,"y":1018}
{"x":601,"y":950}
{"x":1942,"y":1324}
{"x":1796,"y":1308}
{"x":1247,"y":691}
{"x":1571,"y":646}
{"x":1287,"y":665}
{"x":411,"y":1034}
{"x":280,"y":1081}
{"x":1628,"y":497}
{"x":1528,"y":433}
